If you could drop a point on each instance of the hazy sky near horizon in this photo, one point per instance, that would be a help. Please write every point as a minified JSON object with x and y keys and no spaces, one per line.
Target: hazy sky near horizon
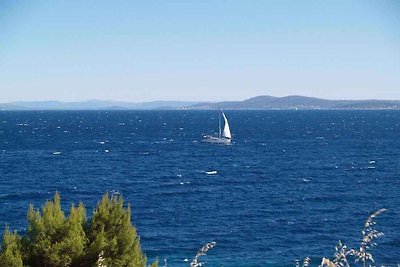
{"x":198,"y":50}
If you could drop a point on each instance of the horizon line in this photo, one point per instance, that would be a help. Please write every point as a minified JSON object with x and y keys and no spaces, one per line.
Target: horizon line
{"x":197,"y":101}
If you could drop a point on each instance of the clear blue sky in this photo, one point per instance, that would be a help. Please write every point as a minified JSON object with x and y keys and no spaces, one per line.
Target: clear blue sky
{"x":198,"y":50}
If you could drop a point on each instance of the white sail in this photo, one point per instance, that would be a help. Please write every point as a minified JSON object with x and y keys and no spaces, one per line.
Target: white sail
{"x":224,"y":135}
{"x":227,"y":132}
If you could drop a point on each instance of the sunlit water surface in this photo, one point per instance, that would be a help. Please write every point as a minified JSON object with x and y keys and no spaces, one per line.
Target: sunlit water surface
{"x":291,"y":184}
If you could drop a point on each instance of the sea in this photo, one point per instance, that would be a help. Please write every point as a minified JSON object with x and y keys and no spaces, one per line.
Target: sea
{"x":291,"y":184}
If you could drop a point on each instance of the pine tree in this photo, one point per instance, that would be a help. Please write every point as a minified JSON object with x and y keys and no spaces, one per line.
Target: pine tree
{"x":74,"y":240}
{"x":10,"y":255}
{"x":53,"y":239}
{"x":112,"y":233}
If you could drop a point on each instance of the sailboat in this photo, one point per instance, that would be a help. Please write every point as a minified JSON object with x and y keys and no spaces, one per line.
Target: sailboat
{"x":224,"y":135}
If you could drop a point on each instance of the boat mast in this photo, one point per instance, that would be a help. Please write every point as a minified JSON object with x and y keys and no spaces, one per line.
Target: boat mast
{"x":219,"y":123}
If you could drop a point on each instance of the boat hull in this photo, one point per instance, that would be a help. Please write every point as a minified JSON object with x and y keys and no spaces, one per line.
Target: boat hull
{"x":216,"y":140}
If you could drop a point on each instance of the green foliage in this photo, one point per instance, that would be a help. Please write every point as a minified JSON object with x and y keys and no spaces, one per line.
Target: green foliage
{"x":113,"y":234}
{"x":154,"y":264}
{"x":11,"y":250}
{"x":54,"y":240}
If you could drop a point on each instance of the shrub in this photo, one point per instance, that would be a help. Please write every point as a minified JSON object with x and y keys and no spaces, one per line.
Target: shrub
{"x":54,"y":240}
{"x":11,"y":250}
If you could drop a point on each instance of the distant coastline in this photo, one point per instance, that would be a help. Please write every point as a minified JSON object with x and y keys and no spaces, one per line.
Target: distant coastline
{"x":264,"y":102}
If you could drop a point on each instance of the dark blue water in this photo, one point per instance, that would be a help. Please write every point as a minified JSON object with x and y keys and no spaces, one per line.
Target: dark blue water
{"x":291,"y":184}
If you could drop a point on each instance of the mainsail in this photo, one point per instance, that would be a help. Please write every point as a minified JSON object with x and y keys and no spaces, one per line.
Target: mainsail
{"x":227,"y":132}
{"x":224,"y":135}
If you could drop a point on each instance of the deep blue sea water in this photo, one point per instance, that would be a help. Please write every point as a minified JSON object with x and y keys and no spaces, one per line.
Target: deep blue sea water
{"x":291,"y":184}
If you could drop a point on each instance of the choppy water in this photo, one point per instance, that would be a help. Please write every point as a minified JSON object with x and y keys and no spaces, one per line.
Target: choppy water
{"x":291,"y":184}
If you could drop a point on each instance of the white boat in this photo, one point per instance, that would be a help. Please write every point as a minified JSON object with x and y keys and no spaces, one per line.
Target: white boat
{"x":224,"y":135}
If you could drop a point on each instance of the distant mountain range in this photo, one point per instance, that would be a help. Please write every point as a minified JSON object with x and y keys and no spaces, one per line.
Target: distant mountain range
{"x":299,"y":102}
{"x":94,"y":105}
{"x":259,"y":102}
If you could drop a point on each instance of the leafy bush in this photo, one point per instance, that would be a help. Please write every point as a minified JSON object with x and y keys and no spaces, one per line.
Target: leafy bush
{"x":55,"y":240}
